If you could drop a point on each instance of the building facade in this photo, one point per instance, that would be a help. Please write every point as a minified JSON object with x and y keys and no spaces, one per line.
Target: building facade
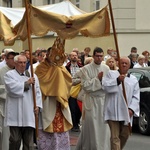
{"x":132,"y":24}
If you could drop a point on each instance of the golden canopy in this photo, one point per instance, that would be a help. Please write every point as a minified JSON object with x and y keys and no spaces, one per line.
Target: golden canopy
{"x":5,"y":29}
{"x":93,"y":24}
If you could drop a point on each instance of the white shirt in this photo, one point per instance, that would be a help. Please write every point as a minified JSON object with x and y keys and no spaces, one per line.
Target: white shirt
{"x":137,"y":65}
{"x":73,"y":69}
{"x":116,"y":108}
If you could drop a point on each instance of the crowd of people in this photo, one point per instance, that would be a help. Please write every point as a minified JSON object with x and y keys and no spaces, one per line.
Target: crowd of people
{"x":105,"y":116}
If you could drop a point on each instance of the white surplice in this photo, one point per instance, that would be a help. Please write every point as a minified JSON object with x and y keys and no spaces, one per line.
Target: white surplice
{"x":95,"y":134}
{"x":3,"y":63}
{"x":3,"y":71}
{"x":116,"y":108}
{"x":19,"y":103}
{"x":5,"y":130}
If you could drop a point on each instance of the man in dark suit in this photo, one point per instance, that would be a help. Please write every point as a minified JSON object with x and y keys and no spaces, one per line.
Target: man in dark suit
{"x":73,"y":66}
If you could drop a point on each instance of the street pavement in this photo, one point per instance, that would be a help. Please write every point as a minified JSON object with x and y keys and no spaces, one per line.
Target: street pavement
{"x":136,"y":141}
{"x":74,"y":134}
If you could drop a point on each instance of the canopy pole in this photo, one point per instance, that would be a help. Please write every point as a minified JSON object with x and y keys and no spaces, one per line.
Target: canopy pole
{"x":118,"y":54}
{"x":31,"y":60}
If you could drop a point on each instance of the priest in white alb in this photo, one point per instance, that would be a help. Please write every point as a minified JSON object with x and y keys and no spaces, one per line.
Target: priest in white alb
{"x":95,"y":134}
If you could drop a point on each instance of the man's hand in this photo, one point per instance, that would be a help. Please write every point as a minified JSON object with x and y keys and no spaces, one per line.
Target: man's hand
{"x":36,"y":110}
{"x":131,"y":112}
{"x":31,"y":80}
{"x":121,"y":77}
{"x":100,"y":75}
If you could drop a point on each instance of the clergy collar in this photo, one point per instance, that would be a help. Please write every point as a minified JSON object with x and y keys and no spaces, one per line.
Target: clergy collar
{"x":21,"y":74}
{"x":25,"y":73}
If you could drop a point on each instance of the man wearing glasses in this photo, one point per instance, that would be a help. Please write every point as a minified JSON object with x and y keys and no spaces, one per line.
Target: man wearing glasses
{"x":4,"y":134}
{"x":9,"y":65}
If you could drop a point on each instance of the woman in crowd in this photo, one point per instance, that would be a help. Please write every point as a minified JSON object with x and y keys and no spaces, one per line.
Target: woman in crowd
{"x":141,"y":62}
{"x":146,"y":54}
{"x":111,"y":62}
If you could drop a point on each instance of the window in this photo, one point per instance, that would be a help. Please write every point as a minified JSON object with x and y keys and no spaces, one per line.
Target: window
{"x":97,"y":4}
{"x":137,"y":75}
{"x":8,"y":3}
{"x":60,"y":0}
{"x":51,"y":1}
{"x":78,"y":3}
{"x":48,"y":1}
{"x":143,"y":80}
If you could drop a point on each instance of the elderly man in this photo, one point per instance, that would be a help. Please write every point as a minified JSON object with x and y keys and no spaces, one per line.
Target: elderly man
{"x":20,"y":112}
{"x":118,"y":111}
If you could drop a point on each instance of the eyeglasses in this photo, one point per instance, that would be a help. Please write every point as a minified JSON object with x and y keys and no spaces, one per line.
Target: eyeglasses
{"x":98,"y":55}
{"x":10,"y":58}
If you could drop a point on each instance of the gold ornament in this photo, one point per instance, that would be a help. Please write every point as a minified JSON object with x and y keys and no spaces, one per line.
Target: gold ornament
{"x":57,"y":55}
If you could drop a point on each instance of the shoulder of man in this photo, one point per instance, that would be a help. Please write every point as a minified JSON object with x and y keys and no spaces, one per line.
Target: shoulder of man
{"x":103,"y":65}
{"x":80,"y":65}
{"x":68,"y":64}
{"x":11,"y":72}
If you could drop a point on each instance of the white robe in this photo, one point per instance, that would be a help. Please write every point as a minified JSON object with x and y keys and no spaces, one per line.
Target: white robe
{"x":5,"y":130}
{"x":3,"y":71}
{"x":116,"y":108}
{"x":34,"y":66}
{"x":95,"y":134}
{"x":2,"y":64}
{"x":19,"y":103}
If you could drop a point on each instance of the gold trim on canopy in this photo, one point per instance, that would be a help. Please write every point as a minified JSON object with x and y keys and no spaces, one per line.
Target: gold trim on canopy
{"x":93,"y":24}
